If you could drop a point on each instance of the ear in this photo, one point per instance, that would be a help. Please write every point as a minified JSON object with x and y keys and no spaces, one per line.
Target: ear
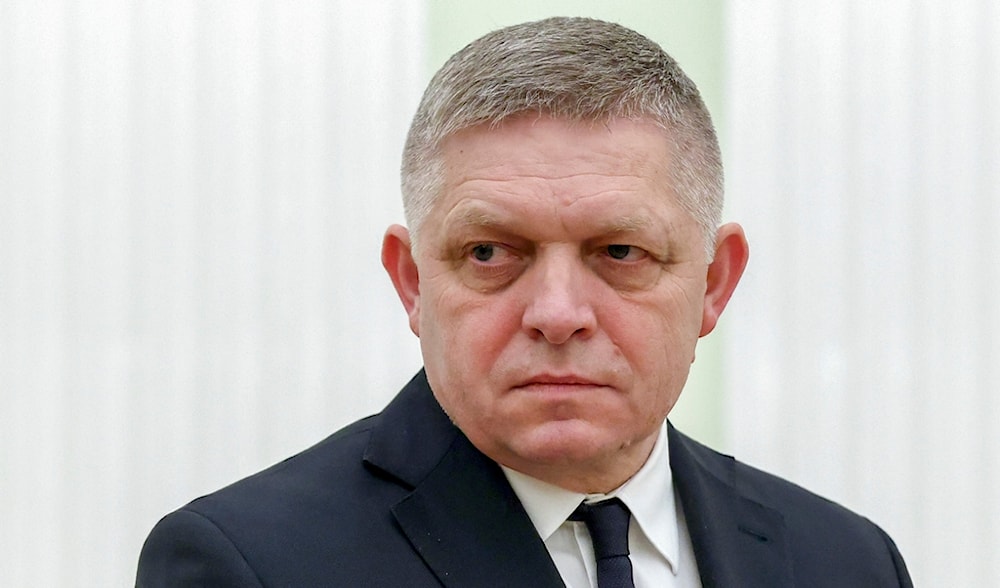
{"x":731,"y":254}
{"x":398,"y":261}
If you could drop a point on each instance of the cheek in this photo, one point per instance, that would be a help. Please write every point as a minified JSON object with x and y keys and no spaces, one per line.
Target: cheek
{"x":657,"y":338}
{"x":468,"y":332}
{"x":463,"y":348}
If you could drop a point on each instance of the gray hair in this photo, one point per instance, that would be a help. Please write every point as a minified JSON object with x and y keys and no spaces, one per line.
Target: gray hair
{"x":575,"y":69}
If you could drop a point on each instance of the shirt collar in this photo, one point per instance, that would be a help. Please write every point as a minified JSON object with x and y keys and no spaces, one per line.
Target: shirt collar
{"x":649,"y":495}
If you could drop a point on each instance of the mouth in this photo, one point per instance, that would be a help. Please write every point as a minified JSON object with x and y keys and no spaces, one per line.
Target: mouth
{"x":555,"y":383}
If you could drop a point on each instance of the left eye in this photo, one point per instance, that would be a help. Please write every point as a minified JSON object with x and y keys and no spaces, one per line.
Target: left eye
{"x":624,"y":252}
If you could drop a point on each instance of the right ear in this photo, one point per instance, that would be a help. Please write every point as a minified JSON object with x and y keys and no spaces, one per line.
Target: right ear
{"x":397,"y":259}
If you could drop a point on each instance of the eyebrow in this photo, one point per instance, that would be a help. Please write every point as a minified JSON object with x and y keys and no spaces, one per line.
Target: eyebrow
{"x":477,"y":217}
{"x":627,"y":224}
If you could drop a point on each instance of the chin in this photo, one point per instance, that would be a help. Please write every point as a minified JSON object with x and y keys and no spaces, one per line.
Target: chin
{"x":564,"y":442}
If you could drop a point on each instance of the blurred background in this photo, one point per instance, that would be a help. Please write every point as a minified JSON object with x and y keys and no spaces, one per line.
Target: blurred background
{"x":193,"y":194}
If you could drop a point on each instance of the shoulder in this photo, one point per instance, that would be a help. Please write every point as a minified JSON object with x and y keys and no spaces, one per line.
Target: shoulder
{"x":316,"y":505}
{"x":795,"y":503}
{"x":821,"y":539}
{"x":304,"y":521}
{"x":321,"y":470}
{"x":309,"y":489}
{"x":824,"y":536}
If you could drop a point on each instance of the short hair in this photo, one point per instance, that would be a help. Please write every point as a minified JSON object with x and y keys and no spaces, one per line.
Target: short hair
{"x":575,"y":69}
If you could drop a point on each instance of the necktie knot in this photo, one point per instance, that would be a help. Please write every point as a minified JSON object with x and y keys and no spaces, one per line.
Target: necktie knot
{"x":608,"y":521}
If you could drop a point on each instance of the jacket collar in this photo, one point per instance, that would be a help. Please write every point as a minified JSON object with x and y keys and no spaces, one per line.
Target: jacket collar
{"x":461,"y":515}
{"x":465,"y":521}
{"x":737,"y":541}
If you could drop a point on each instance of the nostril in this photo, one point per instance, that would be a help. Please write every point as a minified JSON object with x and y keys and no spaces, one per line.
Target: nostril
{"x":558,"y":307}
{"x":558,"y":325}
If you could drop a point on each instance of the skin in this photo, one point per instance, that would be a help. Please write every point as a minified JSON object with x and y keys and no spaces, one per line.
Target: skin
{"x":559,"y":292}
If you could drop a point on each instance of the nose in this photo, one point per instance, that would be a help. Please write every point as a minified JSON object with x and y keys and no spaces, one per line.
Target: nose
{"x":559,"y":305}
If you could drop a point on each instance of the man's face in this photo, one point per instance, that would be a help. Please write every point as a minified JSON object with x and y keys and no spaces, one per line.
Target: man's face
{"x":558,"y":294}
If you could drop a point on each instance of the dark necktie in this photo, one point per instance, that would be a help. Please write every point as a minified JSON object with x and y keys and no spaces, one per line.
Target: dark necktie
{"x":607,"y":522}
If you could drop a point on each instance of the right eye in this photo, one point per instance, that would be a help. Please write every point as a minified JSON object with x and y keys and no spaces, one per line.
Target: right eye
{"x":484,"y":252}
{"x":490,"y":254}
{"x":488,"y":267}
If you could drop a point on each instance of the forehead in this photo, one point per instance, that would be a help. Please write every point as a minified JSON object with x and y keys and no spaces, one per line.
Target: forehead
{"x":611,"y":173}
{"x":554,"y":148}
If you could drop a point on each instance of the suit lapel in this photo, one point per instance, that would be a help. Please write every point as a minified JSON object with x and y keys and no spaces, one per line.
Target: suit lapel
{"x":737,"y":541}
{"x":470,"y":528}
{"x":467,"y":524}
{"x":462,"y":517}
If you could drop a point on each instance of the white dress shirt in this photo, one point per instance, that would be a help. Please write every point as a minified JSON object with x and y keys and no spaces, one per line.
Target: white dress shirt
{"x":659,"y":544}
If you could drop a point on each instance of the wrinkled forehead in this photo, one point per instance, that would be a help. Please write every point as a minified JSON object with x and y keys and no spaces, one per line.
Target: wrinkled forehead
{"x":615,"y":173}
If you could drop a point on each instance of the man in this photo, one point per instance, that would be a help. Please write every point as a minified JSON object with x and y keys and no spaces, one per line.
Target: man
{"x":563,"y":189}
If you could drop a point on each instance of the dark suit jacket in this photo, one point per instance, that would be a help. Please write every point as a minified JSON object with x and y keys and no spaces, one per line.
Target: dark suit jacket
{"x":403,"y":499}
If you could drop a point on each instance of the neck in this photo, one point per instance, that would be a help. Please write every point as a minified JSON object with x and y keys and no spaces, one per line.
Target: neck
{"x":592,"y":477}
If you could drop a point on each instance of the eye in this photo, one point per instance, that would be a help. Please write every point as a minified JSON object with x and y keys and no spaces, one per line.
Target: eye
{"x":483,"y":252}
{"x":489,"y":254}
{"x":489,"y":266}
{"x":625,"y":252}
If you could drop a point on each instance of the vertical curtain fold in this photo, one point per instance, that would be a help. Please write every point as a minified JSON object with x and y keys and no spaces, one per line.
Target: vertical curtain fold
{"x":861,"y":352}
{"x":192,"y":197}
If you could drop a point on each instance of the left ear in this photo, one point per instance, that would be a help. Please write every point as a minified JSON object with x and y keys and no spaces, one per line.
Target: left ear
{"x":731,"y":254}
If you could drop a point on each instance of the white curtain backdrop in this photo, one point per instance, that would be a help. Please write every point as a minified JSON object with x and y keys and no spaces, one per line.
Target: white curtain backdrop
{"x":862,"y":350}
{"x":192,"y":198}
